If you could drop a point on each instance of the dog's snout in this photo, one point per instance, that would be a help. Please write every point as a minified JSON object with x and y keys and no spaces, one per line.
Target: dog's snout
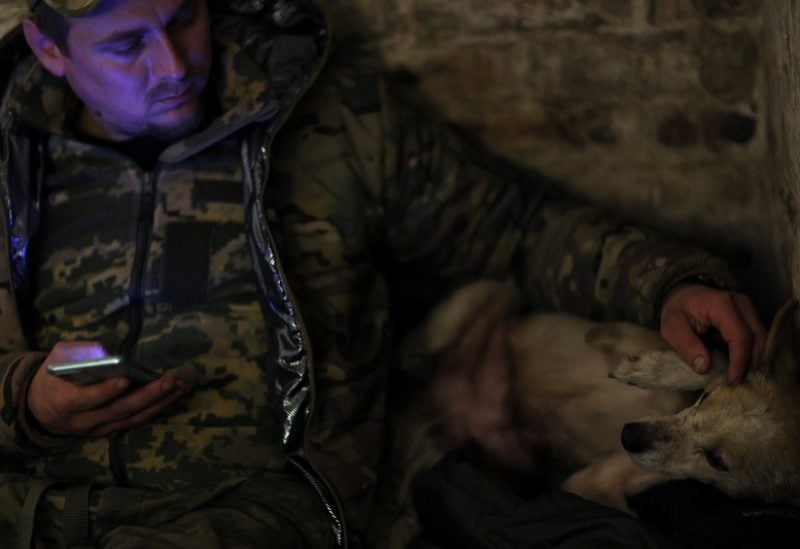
{"x":636,"y":437}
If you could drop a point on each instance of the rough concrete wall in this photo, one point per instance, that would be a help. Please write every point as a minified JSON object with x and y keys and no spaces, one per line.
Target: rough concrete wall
{"x":653,"y":107}
{"x":782,"y":69}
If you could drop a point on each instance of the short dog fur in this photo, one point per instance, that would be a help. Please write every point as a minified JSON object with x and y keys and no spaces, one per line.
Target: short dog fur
{"x":603,"y":410}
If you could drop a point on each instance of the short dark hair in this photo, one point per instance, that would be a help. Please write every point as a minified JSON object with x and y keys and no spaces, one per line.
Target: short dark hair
{"x":53,"y":24}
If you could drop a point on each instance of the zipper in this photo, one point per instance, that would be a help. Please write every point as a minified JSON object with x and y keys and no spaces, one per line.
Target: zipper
{"x":334,"y":508}
{"x":313,"y":478}
{"x":258,"y":181}
{"x":264,"y":240}
{"x":5,"y":158}
{"x":144,"y":224}
{"x":5,"y":151}
{"x":302,"y":461}
{"x":5,"y":190}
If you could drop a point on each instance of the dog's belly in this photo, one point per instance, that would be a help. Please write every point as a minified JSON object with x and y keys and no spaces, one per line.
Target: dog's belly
{"x":565,"y":394}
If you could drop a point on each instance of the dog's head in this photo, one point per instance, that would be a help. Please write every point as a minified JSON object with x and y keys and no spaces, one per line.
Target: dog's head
{"x":743,"y":439}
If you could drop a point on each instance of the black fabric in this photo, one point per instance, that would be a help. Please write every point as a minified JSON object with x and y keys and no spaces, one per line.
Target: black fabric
{"x":460,"y":506}
{"x":186,"y":263}
{"x":698,"y":516}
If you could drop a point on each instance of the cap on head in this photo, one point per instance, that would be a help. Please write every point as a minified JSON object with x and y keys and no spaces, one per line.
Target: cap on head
{"x":70,"y":8}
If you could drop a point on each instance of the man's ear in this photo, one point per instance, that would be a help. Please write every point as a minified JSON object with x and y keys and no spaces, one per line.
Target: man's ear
{"x":45,"y":50}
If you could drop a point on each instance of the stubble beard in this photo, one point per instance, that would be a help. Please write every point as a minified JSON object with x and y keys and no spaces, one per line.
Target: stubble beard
{"x":95,"y":123}
{"x":174,"y":132}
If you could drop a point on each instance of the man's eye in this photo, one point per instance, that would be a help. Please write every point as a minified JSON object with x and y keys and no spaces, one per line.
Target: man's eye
{"x":715,"y":460}
{"x":127,"y":48}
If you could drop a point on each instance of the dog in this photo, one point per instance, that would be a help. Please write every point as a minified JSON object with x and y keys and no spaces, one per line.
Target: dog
{"x":603,"y":410}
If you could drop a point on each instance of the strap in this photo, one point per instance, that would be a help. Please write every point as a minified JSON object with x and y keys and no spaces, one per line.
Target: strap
{"x":76,"y":516}
{"x":27,"y":514}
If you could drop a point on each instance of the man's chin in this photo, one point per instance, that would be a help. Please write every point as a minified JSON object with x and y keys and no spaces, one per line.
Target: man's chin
{"x":176,"y":129}
{"x":171,"y":132}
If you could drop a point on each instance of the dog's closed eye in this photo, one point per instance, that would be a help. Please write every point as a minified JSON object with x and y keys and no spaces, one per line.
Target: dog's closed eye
{"x":715,"y":460}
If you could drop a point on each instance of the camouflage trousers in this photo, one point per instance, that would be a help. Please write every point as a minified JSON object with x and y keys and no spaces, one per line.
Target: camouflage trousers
{"x":272,"y":510}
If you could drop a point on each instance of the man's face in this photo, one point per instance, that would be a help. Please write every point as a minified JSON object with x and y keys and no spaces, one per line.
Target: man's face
{"x":140,"y":67}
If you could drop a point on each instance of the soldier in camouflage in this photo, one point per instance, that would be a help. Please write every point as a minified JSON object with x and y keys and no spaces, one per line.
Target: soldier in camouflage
{"x":177,"y":192}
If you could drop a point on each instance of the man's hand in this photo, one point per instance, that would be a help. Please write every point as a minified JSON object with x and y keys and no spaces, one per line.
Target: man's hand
{"x":98,"y":409}
{"x":692,"y":310}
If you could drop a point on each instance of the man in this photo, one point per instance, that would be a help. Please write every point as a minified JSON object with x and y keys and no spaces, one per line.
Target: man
{"x":213,"y":203}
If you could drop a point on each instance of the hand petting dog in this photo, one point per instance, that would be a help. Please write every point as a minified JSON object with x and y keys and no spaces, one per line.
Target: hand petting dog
{"x":604,"y":409}
{"x":692,"y":310}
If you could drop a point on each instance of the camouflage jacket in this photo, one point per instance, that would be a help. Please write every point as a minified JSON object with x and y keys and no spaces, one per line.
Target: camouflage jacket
{"x":360,"y":214}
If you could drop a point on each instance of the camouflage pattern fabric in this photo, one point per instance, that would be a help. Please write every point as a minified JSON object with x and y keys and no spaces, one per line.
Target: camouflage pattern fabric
{"x":359,"y":213}
{"x":272,"y":510}
{"x":195,"y":292}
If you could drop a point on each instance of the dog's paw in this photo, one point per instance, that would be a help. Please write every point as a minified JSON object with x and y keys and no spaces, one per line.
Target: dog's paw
{"x":646,"y":368}
{"x":656,"y":369}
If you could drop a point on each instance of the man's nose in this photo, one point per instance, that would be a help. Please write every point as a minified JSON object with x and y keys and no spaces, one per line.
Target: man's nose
{"x":167,"y":59}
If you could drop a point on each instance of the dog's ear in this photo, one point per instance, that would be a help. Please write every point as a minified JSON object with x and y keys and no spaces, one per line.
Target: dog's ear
{"x":780,"y":358}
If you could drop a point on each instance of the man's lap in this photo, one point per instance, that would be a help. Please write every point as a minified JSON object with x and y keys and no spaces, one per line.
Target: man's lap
{"x":275,"y":510}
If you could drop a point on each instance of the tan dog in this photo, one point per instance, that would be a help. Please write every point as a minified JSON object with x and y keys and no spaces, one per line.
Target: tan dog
{"x":580,"y":399}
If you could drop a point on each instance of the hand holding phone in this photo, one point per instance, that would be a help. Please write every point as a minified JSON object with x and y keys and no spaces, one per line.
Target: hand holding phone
{"x":85,"y":372}
{"x":105,"y":403}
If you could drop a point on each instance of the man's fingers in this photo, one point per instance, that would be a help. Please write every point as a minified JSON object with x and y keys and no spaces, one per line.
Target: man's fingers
{"x":680,"y":334}
{"x":758,"y":333}
{"x":146,"y":395}
{"x":138,"y":418}
{"x":155,"y":395}
{"x":738,"y":336}
{"x":738,"y":359}
{"x":89,"y":397}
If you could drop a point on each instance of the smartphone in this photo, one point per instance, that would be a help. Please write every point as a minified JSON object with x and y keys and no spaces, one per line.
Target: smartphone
{"x":86,"y":372}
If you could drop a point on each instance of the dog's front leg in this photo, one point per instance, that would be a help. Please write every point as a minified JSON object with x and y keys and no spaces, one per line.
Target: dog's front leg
{"x":659,"y":369}
{"x":611,"y":481}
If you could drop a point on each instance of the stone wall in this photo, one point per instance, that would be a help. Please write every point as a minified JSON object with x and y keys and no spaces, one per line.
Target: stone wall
{"x":782,"y":161}
{"x":653,"y":107}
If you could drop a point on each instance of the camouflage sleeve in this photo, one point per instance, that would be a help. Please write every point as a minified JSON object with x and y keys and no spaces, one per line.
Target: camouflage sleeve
{"x":455,"y":213}
{"x":581,"y":259}
{"x":19,"y":435}
{"x":435,"y":211}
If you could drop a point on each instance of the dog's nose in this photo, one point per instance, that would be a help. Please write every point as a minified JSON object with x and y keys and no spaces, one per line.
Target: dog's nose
{"x":635,"y":437}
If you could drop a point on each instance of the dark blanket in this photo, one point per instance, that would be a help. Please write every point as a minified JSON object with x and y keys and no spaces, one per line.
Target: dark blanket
{"x":462,"y":506}
{"x":698,"y":516}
